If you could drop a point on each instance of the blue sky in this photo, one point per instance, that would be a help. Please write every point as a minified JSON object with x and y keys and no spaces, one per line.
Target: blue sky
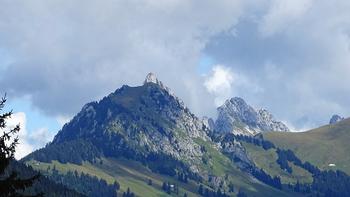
{"x":291,"y":57}
{"x":205,"y":65}
{"x":35,"y":118}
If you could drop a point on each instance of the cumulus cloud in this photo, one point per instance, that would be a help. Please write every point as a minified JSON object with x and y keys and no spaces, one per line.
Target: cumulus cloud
{"x":219,"y":83}
{"x":28,"y":141}
{"x":281,"y":14}
{"x":224,"y":83}
{"x":292,"y":55}
{"x":298,"y":52}
{"x":23,"y":148}
{"x":64,"y":54}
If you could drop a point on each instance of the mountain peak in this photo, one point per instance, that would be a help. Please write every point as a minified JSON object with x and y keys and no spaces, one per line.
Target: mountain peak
{"x":237,"y":100}
{"x":151,"y":78}
{"x":335,"y":118}
{"x":240,"y":118}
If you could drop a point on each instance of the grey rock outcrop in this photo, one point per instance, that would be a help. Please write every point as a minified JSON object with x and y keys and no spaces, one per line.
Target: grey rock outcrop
{"x":335,"y":118}
{"x":208,"y":122}
{"x":237,"y":117}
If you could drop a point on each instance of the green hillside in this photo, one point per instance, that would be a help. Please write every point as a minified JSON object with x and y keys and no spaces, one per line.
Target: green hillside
{"x":322,"y":146}
{"x":266,"y":160}
{"x":134,"y":175}
{"x":41,"y":185}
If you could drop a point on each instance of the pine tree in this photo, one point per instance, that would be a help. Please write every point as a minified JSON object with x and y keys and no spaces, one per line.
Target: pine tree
{"x":231,"y":187}
{"x":10,"y":185}
{"x":241,"y":193}
{"x":164,"y":186}
{"x":200,"y":190}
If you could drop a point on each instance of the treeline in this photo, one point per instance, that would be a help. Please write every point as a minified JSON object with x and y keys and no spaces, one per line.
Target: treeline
{"x":258,"y":141}
{"x":259,"y":174}
{"x":325,"y":183}
{"x":128,"y":193}
{"x":262,"y":176}
{"x":111,"y":145}
{"x":43,"y":185}
{"x":283,"y":158}
{"x":75,"y":151}
{"x":88,"y":185}
{"x":183,"y":177}
{"x":331,"y":183}
{"x":164,"y":164}
{"x":287,"y":155}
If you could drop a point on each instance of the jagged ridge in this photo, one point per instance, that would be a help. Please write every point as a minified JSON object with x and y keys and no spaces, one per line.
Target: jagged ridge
{"x":139,"y":122}
{"x":236,"y":116}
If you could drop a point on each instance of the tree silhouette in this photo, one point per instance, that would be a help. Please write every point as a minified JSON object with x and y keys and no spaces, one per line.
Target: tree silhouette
{"x":10,"y":183}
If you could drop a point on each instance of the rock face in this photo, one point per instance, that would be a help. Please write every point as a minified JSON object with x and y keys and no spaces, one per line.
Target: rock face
{"x":335,"y":118}
{"x":208,"y":122}
{"x":146,"y":123}
{"x":145,"y":120}
{"x":151,"y":78}
{"x":237,"y":117}
{"x":235,"y":151}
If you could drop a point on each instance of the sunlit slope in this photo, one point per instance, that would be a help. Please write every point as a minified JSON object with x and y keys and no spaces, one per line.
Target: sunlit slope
{"x":133,"y":175}
{"x":323,"y":146}
{"x":267,"y":160}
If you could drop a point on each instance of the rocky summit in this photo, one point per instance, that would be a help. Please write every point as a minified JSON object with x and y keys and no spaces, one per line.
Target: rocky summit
{"x":335,"y":118}
{"x":145,"y":120}
{"x":236,"y":116}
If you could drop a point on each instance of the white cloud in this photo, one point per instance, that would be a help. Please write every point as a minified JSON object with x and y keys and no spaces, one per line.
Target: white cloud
{"x":74,"y":52}
{"x":220,"y":80}
{"x":290,"y":56}
{"x":28,"y":142}
{"x":40,"y":137}
{"x":219,"y":83}
{"x":24,"y":147}
{"x":297,"y":51}
{"x":223,"y":83}
{"x":282,"y":14}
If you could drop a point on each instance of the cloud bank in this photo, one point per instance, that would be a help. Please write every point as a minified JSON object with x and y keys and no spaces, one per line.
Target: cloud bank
{"x":64,"y":54}
{"x":291,"y":57}
{"x":298,"y":53}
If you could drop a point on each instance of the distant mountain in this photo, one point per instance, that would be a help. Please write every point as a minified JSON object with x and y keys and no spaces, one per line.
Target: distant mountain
{"x":236,"y":116}
{"x":146,"y":134}
{"x":144,"y":141}
{"x":335,"y":118}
